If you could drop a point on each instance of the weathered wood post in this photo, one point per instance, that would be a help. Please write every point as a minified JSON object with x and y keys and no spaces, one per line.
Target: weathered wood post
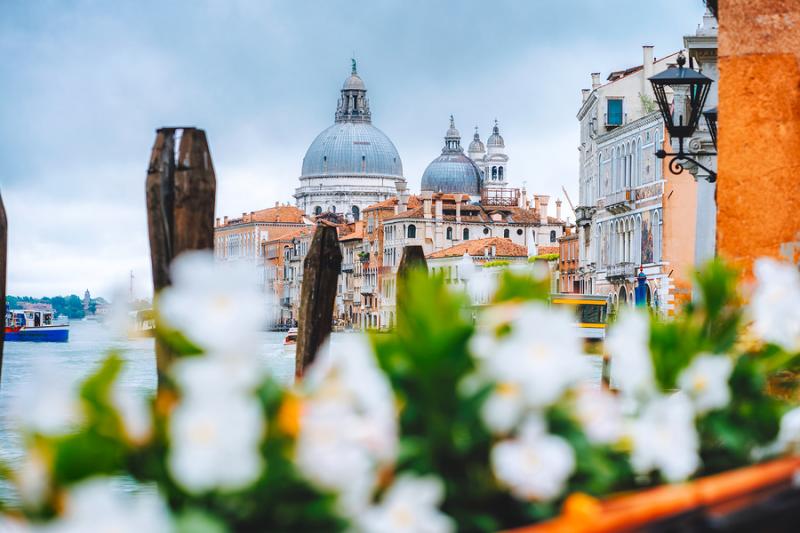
{"x":180,"y":190}
{"x":321,"y":269}
{"x":3,"y":269}
{"x":413,"y":259}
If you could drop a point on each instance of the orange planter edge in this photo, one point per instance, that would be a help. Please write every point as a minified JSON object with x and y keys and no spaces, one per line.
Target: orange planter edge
{"x":634,"y":510}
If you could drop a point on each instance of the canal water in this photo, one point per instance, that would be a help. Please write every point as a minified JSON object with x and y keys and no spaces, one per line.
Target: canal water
{"x":88,"y":345}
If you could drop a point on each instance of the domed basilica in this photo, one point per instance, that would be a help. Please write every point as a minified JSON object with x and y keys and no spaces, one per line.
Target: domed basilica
{"x":456,"y":172}
{"x":352,"y":164}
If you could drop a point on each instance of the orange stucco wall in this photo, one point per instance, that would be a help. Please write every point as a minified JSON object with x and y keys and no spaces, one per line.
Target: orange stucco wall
{"x":758,"y":190}
{"x":678,"y":229}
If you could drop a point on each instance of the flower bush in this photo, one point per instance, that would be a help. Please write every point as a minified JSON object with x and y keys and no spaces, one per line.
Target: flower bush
{"x":459,"y":419}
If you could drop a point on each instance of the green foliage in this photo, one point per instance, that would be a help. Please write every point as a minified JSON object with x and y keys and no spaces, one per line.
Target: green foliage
{"x":543,"y":257}
{"x":496,"y":263}
{"x":521,"y":286}
{"x":648,"y":105}
{"x":70,"y":306}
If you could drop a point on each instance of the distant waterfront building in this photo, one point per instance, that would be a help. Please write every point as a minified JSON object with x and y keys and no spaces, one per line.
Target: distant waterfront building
{"x":350,"y":165}
{"x":242,"y":238}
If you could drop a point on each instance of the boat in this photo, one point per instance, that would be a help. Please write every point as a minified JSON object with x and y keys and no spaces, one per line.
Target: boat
{"x":35,"y":326}
{"x":142,"y":324}
{"x":291,"y":337}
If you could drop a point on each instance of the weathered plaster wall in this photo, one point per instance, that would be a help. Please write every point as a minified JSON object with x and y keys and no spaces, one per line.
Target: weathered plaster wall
{"x":678,"y":231}
{"x":758,"y":191}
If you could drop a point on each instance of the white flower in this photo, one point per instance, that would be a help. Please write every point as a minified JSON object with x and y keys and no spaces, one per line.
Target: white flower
{"x":50,"y":405}
{"x":775,"y":305}
{"x":214,"y":443}
{"x":631,"y":363}
{"x":534,"y":466}
{"x":32,"y":479}
{"x":664,"y":438}
{"x":600,"y":415}
{"x":216,"y":374}
{"x":409,"y":506}
{"x":134,"y":413}
{"x":218,"y":307}
{"x":97,"y":506}
{"x":9,"y":524}
{"x":503,"y":408}
{"x":540,"y":358}
{"x":348,"y":426}
{"x":789,"y":433}
{"x":705,"y":380}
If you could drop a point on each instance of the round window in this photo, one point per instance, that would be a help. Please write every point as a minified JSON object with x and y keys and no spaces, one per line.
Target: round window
{"x":486,"y":231}
{"x":519,"y":232}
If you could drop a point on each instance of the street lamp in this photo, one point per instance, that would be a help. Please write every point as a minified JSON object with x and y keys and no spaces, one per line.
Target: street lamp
{"x":711,"y":122}
{"x":689,"y":90}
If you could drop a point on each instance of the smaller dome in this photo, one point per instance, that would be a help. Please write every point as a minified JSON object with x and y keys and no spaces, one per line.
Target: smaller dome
{"x":495,"y":139}
{"x":354,"y":83}
{"x":476,"y":145}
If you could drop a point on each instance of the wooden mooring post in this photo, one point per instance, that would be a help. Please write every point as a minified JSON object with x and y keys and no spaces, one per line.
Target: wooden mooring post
{"x":3,"y":270}
{"x":321,"y":269}
{"x":413,"y":259}
{"x":180,"y":189}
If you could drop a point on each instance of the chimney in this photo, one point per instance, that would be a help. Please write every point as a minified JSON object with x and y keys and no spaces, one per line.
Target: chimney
{"x":485,"y":251}
{"x":427,"y":198}
{"x":277,"y":204}
{"x":494,"y":250}
{"x":402,"y":195}
{"x":216,"y":223}
{"x":543,"y":200}
{"x":458,"y":208}
{"x":647,"y":67}
{"x":536,"y":201}
{"x":225,"y":221}
{"x":585,"y":94}
{"x":558,"y":208}
{"x":439,"y":211}
{"x":595,"y":80}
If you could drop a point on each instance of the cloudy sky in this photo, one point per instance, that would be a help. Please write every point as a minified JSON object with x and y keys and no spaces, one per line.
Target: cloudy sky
{"x":85,"y":83}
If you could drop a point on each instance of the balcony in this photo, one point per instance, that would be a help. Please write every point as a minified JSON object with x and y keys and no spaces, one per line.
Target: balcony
{"x":583,"y":215}
{"x":621,"y":271}
{"x":347,"y":296}
{"x":347,"y":267}
{"x":286,"y":302}
{"x":619,"y":202}
{"x":367,"y":288}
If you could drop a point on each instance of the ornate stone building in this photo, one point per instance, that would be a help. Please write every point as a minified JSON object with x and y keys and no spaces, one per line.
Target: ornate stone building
{"x":352,"y":164}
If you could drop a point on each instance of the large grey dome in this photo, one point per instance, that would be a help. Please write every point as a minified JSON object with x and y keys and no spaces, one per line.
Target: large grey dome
{"x":452,"y":172}
{"x":352,"y":148}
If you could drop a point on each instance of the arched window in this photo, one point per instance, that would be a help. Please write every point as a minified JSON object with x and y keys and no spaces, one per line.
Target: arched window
{"x":356,"y":213}
{"x":466,"y":234}
{"x":324,"y":163}
{"x":500,"y":173}
{"x":318,"y":210}
{"x":363,"y":163}
{"x":494,"y":173}
{"x":506,"y":233}
{"x":332,"y":209}
{"x":449,"y":234}
{"x":553,"y":236}
{"x":412,"y":231}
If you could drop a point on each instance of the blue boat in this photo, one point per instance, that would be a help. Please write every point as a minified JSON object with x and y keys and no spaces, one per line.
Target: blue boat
{"x":34,"y":325}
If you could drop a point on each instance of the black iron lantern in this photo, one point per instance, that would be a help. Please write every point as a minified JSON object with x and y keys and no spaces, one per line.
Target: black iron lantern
{"x":711,"y":122}
{"x":688,"y":90}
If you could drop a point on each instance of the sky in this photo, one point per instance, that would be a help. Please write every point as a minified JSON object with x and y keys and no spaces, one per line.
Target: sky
{"x":84,"y":85}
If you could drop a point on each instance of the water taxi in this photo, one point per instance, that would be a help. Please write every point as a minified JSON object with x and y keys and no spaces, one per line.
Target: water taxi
{"x":35,"y":326}
{"x":291,"y":337}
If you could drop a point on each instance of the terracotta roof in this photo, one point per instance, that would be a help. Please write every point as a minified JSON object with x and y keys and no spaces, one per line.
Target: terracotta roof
{"x":477,"y":248}
{"x":280,"y":214}
{"x":354,"y":231}
{"x":289,"y":235}
{"x":542,"y":250}
{"x":413,"y":201}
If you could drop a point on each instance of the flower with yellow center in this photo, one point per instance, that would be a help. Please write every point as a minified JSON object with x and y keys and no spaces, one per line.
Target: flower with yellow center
{"x":705,"y":381}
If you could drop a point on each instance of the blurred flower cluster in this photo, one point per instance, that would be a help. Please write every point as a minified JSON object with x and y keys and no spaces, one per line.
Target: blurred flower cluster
{"x":458,"y":419}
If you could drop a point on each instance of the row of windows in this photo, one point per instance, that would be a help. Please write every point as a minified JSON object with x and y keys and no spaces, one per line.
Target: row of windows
{"x":355,"y":211}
